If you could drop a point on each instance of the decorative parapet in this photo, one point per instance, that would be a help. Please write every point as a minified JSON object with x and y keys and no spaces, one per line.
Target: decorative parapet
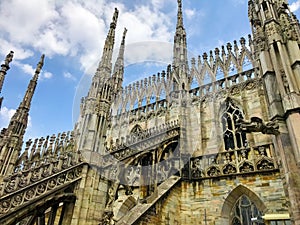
{"x":143,"y":113}
{"x":24,"y":188}
{"x":234,"y":84}
{"x":236,"y":59}
{"x":234,"y":162}
{"x":144,"y":92}
{"x":220,"y":69}
{"x":135,"y":143}
{"x":50,"y":164}
{"x":43,"y":151}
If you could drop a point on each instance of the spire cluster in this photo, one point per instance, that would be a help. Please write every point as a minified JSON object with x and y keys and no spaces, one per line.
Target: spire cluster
{"x":105,"y":86}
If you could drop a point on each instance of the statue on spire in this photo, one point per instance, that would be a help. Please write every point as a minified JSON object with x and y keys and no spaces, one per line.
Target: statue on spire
{"x":115,"y":16}
{"x":8,"y":58}
{"x":4,"y":68}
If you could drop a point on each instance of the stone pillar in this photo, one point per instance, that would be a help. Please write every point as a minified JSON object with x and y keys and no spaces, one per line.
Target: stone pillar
{"x":289,"y":169}
{"x":143,"y":182}
{"x":91,"y":197}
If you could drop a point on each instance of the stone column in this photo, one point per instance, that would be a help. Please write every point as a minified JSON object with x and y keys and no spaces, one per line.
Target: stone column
{"x":289,"y":169}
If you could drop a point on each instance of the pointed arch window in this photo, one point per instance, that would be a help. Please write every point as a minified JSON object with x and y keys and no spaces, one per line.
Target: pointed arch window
{"x":233,"y":138}
{"x":136,"y":131}
{"x":243,"y":210}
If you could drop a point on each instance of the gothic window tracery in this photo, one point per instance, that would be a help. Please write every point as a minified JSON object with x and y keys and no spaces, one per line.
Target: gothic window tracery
{"x":233,"y":138}
{"x":136,"y":131}
{"x":243,"y":211}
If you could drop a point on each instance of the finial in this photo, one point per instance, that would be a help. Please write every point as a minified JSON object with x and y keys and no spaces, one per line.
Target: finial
{"x":4,"y":68}
{"x":179,"y":4}
{"x":8,"y":59}
{"x":105,"y":61}
{"x":40,"y":64}
{"x":114,"y":19}
{"x":38,"y":68}
{"x":179,"y":14}
{"x":119,"y":65}
{"x":32,"y":84}
{"x":124,"y":33}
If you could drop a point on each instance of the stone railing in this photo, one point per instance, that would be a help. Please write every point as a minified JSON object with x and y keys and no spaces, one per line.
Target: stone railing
{"x":225,"y":83}
{"x":234,"y":162}
{"x":141,"y":113}
{"x":132,"y":144}
{"x":47,"y":166}
{"x":21,"y":190}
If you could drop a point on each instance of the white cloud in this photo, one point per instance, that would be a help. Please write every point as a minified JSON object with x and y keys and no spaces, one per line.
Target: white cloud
{"x":26,"y":68}
{"x":154,"y":51}
{"x":5,"y":116}
{"x":24,"y":22}
{"x":47,"y":75}
{"x":78,"y":28}
{"x":19,"y":52}
{"x":295,"y":6}
{"x":190,"y":13}
{"x":237,"y":3}
{"x":69,"y":76}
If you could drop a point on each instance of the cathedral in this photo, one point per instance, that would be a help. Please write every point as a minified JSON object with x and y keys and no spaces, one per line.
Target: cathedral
{"x":207,"y":141}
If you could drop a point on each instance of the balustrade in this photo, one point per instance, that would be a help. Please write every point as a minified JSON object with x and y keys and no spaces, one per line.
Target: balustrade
{"x":223,"y":84}
{"x":233,"y":162}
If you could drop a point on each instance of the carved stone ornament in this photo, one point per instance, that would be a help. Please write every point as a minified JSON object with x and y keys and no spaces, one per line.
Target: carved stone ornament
{"x":257,"y":125}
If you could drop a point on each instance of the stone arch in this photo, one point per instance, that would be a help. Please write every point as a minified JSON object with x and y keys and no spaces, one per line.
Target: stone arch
{"x":232,"y":198}
{"x":134,"y":160}
{"x":123,"y":206}
{"x":167,"y":160}
{"x":55,"y":207}
{"x":166,"y":147}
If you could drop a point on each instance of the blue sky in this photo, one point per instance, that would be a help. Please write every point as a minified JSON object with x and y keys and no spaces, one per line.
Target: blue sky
{"x":71,"y":34}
